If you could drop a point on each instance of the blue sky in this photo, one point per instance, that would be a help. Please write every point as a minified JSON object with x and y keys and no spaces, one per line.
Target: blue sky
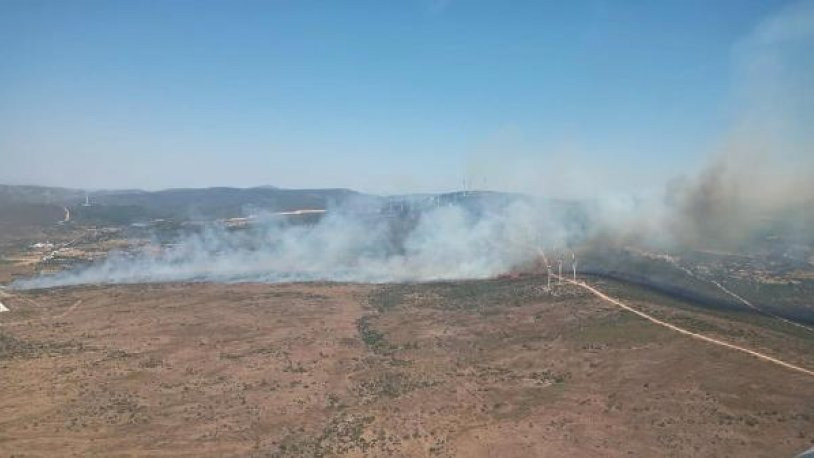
{"x":378,"y":96}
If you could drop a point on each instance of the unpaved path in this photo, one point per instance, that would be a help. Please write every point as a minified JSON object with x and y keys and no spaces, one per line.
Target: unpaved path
{"x":687,"y":332}
{"x":44,"y":318}
{"x":740,"y":299}
{"x":3,"y":294}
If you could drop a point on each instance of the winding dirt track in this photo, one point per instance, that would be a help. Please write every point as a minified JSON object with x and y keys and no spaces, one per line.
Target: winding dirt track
{"x":740,"y":299}
{"x":675,"y":328}
{"x":3,"y":295}
{"x":44,"y":318}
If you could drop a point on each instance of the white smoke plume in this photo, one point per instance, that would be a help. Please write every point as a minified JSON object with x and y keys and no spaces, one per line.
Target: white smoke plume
{"x":760,"y":179}
{"x":449,"y":242}
{"x":764,"y":167}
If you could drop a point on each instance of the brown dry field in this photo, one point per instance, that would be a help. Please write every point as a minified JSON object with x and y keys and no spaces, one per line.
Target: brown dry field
{"x":475,"y":368}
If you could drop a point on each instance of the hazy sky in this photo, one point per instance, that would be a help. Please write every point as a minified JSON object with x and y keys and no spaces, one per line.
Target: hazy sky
{"x":381,"y":96}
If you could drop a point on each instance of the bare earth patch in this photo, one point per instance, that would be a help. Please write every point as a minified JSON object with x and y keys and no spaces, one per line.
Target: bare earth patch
{"x":479,"y":368}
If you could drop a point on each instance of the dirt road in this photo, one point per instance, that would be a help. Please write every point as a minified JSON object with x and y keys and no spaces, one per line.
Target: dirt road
{"x":687,"y":332}
{"x":3,"y":294}
{"x":470,"y":368}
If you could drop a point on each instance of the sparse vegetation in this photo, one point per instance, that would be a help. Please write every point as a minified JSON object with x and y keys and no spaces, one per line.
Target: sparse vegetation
{"x":12,"y":347}
{"x":282,"y":371}
{"x":343,"y":434}
{"x":372,"y":338}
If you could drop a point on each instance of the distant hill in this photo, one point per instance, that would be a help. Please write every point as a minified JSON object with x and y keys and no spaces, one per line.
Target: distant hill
{"x":15,"y":195}
{"x":17,"y":218}
{"x":126,"y":206}
{"x":220,"y":202}
{"x":129,"y":206}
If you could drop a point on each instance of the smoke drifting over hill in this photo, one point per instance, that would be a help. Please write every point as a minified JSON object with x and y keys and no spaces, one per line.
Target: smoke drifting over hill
{"x":759,"y":182}
{"x":454,"y":241}
{"x":764,"y":168}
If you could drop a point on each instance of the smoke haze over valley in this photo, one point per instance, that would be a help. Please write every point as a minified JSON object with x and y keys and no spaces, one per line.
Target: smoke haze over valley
{"x":415,"y":228}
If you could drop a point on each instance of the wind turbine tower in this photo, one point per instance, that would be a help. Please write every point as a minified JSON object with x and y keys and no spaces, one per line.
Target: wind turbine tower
{"x":574,"y":264}
{"x":559,"y":266}
{"x":548,"y":269}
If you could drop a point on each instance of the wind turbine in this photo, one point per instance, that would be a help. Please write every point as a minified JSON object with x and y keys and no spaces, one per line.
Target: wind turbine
{"x":547,"y":266}
{"x":548,"y":269}
{"x":574,"y":264}
{"x":559,"y":266}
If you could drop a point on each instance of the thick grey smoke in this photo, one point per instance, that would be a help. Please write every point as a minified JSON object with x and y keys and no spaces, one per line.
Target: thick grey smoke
{"x":759,"y":182}
{"x":762,"y":175}
{"x":448,"y":242}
